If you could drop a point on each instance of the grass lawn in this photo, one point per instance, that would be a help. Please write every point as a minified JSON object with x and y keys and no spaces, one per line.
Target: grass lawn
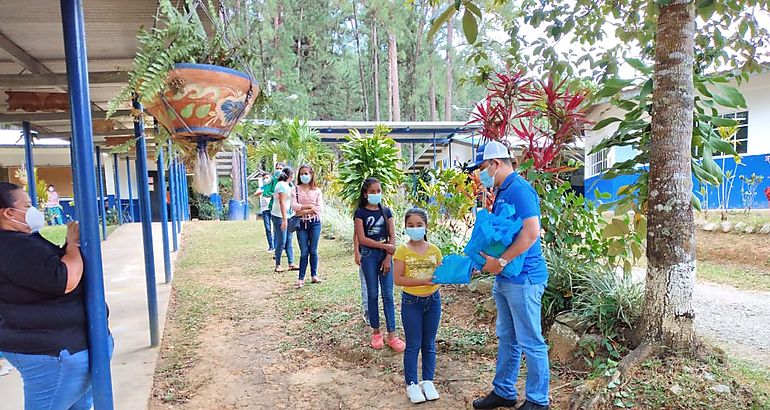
{"x":58,"y":234}
{"x":734,"y":275}
{"x":755,"y":217}
{"x":232,"y":315}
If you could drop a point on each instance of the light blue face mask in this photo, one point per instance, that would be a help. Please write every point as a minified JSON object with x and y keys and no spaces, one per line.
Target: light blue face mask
{"x":277,"y":173}
{"x":305,"y":178}
{"x":374,"y":199}
{"x":416,"y":234}
{"x":486,"y":179}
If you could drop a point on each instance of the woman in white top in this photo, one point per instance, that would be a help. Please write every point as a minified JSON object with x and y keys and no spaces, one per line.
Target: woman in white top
{"x":281,"y":212}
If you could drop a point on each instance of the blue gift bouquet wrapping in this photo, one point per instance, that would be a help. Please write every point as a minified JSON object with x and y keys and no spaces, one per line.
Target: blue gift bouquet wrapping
{"x":492,"y":234}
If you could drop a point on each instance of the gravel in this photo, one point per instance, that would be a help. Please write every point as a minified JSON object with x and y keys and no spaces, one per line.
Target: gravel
{"x":739,"y":318}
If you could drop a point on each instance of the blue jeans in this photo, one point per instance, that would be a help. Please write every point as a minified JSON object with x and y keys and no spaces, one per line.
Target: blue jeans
{"x":309,"y":235}
{"x":55,"y":382}
{"x":266,"y":218}
{"x":420,"y":316}
{"x":364,"y":292}
{"x":282,"y":240}
{"x":519,"y":329}
{"x":371,"y":264}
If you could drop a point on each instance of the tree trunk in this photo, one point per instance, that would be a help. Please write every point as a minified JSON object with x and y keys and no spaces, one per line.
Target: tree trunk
{"x":277,"y":25}
{"x":393,"y":76}
{"x":390,"y":85}
{"x":432,"y":81}
{"x":449,"y":79}
{"x":415,"y":63}
{"x":376,"y":72}
{"x":299,"y":42}
{"x":668,"y":311}
{"x":360,"y":63}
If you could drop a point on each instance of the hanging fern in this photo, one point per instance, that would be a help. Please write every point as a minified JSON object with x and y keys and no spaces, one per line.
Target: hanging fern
{"x":181,"y":37}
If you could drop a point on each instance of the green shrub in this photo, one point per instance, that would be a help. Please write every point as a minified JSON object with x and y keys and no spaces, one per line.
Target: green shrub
{"x":369,"y":156}
{"x":337,"y":221}
{"x":608,"y":302}
{"x":206,"y":210}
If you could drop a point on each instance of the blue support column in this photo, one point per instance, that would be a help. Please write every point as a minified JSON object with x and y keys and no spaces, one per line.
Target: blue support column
{"x":161,"y":187}
{"x":185,"y":193}
{"x":117,"y":188}
{"x":245,"y":187}
{"x":434,"y":150}
{"x":82,"y":145}
{"x":29,"y":163}
{"x":178,"y":192}
{"x":130,"y":190}
{"x":143,"y":184}
{"x":100,"y":184}
{"x":174,"y":200}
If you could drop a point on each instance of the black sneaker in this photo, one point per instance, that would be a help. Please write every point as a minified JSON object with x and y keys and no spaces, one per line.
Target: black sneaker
{"x":493,"y":401}
{"x":528,"y":405}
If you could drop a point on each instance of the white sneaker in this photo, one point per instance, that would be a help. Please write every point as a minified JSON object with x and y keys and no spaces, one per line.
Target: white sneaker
{"x":429,"y":389}
{"x":414,"y":392}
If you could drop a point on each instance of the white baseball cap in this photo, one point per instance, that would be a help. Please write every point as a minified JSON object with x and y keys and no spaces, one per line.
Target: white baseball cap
{"x":490,"y":150}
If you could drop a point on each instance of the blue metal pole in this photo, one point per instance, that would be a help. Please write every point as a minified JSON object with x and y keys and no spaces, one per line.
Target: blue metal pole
{"x":174,"y":200}
{"x":73,"y":27}
{"x":178,"y":193}
{"x":434,"y":150}
{"x":164,"y":214}
{"x":143,"y":183}
{"x":100,"y":184}
{"x":185,"y":193}
{"x":29,"y":163}
{"x":245,"y":187}
{"x":130,"y":190}
{"x":117,"y":188}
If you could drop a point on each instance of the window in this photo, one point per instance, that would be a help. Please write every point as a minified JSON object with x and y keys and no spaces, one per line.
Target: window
{"x":741,"y":138}
{"x":4,"y":174}
{"x":597,"y":162}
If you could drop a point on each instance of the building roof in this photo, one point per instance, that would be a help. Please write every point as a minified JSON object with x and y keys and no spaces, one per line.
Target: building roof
{"x":32,"y":62}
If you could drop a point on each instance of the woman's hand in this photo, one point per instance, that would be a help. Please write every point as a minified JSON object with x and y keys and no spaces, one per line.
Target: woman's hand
{"x":390,"y":249}
{"x":358,"y":259}
{"x":385,"y":268}
{"x":73,"y":234}
{"x":284,"y":224}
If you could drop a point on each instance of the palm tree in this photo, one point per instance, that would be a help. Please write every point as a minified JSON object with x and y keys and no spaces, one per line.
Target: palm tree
{"x":294,"y":143}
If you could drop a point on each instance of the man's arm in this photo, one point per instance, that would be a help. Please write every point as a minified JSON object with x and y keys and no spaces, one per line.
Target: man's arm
{"x":524,"y":240}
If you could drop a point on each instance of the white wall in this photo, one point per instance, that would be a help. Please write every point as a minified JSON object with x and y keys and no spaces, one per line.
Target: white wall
{"x":13,"y":157}
{"x":757,"y":94}
{"x":756,"y":91}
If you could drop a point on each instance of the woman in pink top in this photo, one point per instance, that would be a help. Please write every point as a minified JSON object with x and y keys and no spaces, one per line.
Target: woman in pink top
{"x":308,"y":203}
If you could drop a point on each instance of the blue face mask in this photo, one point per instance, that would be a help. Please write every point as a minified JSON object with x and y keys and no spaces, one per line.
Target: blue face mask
{"x":374,"y":199}
{"x":277,"y":173}
{"x":416,"y":234}
{"x":305,"y":178}
{"x":486,"y":179}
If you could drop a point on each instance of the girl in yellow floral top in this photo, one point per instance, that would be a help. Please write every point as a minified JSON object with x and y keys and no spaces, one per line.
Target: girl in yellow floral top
{"x":413,"y":267}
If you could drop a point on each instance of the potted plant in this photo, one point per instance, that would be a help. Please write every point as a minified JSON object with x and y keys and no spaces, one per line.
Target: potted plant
{"x":195,"y":78}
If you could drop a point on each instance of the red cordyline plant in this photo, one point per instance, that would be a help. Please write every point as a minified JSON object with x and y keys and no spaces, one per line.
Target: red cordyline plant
{"x":545,"y":116}
{"x":767,"y":194}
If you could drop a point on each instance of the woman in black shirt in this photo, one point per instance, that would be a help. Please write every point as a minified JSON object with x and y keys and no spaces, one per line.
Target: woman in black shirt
{"x":42,"y":310}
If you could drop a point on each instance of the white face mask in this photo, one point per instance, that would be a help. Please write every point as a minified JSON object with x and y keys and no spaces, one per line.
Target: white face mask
{"x":33,"y":218}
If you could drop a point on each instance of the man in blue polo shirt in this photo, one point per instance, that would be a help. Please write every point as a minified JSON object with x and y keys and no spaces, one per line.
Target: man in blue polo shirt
{"x":518,"y":298}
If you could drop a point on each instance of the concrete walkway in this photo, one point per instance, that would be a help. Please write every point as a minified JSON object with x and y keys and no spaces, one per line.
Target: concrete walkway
{"x":133,"y":362}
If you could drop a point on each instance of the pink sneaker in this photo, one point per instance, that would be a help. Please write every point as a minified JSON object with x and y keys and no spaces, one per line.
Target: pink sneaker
{"x":377,"y":342}
{"x":396,"y":344}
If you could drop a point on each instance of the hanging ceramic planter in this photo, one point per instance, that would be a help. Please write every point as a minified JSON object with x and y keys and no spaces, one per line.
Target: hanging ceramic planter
{"x":203,"y":101}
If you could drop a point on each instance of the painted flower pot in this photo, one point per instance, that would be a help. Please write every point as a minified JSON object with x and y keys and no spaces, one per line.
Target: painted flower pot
{"x":203,"y":101}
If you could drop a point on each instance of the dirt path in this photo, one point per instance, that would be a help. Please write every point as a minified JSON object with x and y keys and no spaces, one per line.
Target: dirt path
{"x":249,"y":355}
{"x":736,"y":317}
